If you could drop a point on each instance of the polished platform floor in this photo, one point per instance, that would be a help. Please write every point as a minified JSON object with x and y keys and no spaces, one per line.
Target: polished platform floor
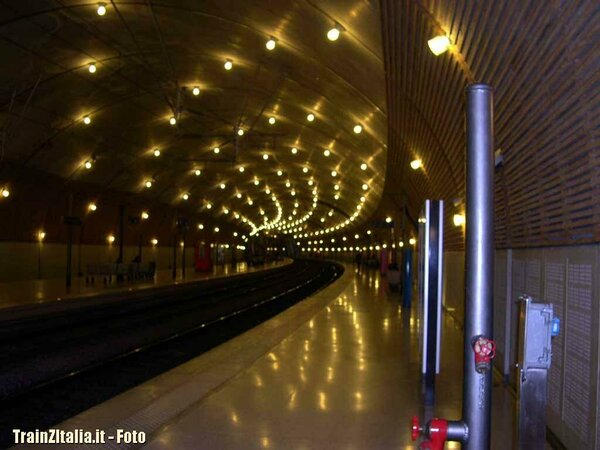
{"x":339,"y":370}
{"x":31,"y":292}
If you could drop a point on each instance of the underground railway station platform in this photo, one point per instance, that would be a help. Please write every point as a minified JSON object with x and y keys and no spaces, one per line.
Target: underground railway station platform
{"x":300,"y":224}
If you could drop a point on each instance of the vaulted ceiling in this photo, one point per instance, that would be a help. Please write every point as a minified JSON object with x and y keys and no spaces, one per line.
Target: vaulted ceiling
{"x":141,"y":65}
{"x":380,"y":74}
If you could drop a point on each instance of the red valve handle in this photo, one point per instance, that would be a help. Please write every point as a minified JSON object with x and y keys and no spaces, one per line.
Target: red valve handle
{"x":415,"y":429}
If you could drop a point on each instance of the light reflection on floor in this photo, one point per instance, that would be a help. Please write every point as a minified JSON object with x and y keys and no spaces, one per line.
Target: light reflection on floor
{"x":348,"y":378}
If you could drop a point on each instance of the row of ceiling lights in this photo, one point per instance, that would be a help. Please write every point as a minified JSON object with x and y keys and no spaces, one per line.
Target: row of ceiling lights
{"x":437,"y":45}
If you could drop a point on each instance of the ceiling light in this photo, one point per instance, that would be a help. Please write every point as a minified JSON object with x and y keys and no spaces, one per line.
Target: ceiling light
{"x":327,"y":152}
{"x":330,"y":213}
{"x":365,"y":186}
{"x":216,"y":150}
{"x":148,"y":183}
{"x":238,"y":195}
{"x":5,"y":192}
{"x":172,"y":120}
{"x":293,"y":192}
{"x":240,"y":131}
{"x":368,"y":232}
{"x":209,"y":205}
{"x":154,"y":241}
{"x":265,"y":156}
{"x":310,"y":182}
{"x":415,"y":164}
{"x":267,"y":191}
{"x":310,"y":117}
{"x":250,"y":202}
{"x":334,"y":33}
{"x":388,"y":219}
{"x":272,"y":120}
{"x":400,"y":244}
{"x":241,"y":169}
{"x":336,"y":196}
{"x":101,"y":10}
{"x":362,"y":199}
{"x":145,"y":215}
{"x":185,"y":196}
{"x":271,"y":44}
{"x":256,"y":182}
{"x":357,"y":129}
{"x":200,"y":226}
{"x":225,"y":210}
{"x":279,"y":173}
{"x":110,"y":238}
{"x":196,"y":90}
{"x":228,"y":64}
{"x":305,"y":169}
{"x":197,"y":172}
{"x":288,"y":184}
{"x":439,"y":44}
{"x":294,"y":150}
{"x":333,"y":173}
{"x":356,"y":236}
{"x":87,"y":120}
{"x":458,"y":219}
{"x":41,"y":235}
{"x":336,"y":187}
{"x":217,"y":229}
{"x":92,"y":68}
{"x":92,"y":206}
{"x":412,"y":241}
{"x":222,"y":185}
{"x":88,"y":165}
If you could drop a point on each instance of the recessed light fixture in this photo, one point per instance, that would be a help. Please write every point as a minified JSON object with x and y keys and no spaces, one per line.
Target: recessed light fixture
{"x":265,"y":156}
{"x":196,"y":90}
{"x":416,"y":164}
{"x":148,"y":183}
{"x":294,"y":150}
{"x":357,"y":129}
{"x":216,"y":150}
{"x":88,"y":164}
{"x":336,"y":187}
{"x":201,"y":226}
{"x":110,"y":238}
{"x":154,"y":241}
{"x":92,"y":206}
{"x":228,"y":64}
{"x":439,"y":44}
{"x":334,"y":173}
{"x":241,"y":169}
{"x":334,"y":33}
{"x":256,"y":182}
{"x":172,"y":120}
{"x":271,"y":43}
{"x":458,"y":219}
{"x":208,"y":205}
{"x":5,"y":192}
{"x":145,"y":215}
{"x":327,"y":152}
{"x":388,"y":219}
{"x":363,"y":166}
{"x":101,"y":10}
{"x":222,"y":186}
{"x":197,"y":172}
{"x":185,"y":196}
{"x":272,"y":120}
{"x":412,"y":241}
{"x":240,"y":131}
{"x":41,"y":235}
{"x":305,"y":169}
{"x":87,"y":120}
{"x":238,"y":195}
{"x":310,"y":117}
{"x":365,"y":186}
{"x":279,"y":173}
{"x":217,"y":229}
{"x":156,"y":152}
{"x":92,"y":68}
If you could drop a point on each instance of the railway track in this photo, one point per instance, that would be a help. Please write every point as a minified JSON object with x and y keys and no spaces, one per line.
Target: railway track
{"x":59,"y":363}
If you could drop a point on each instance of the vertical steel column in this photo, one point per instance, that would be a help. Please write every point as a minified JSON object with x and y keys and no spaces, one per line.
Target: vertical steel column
{"x":479,"y":277}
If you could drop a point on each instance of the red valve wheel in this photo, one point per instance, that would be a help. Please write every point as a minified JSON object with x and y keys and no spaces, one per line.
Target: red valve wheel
{"x":415,"y":429}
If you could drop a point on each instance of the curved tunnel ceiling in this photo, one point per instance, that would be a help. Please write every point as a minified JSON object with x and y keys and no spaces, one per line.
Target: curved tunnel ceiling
{"x":148,"y":58}
{"x":380,"y":73}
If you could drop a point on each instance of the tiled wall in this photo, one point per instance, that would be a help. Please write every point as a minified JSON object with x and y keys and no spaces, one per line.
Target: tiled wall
{"x":567,"y":277}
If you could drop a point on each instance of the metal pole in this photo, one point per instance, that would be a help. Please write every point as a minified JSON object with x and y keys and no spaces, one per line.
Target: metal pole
{"x":479,"y":278}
